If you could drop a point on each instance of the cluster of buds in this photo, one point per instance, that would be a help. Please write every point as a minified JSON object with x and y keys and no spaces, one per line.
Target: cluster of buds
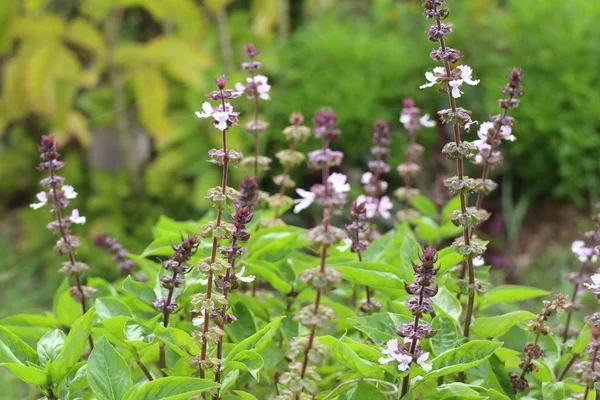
{"x":451,"y":80}
{"x":119,"y":254}
{"x":176,"y":267}
{"x":207,"y":305}
{"x":376,"y":202}
{"x":289,"y":158}
{"x":532,"y":350}
{"x":408,"y":351}
{"x":588,"y":371}
{"x":256,"y":88}
{"x":412,"y":120}
{"x":57,"y":196}
{"x":331,"y":194}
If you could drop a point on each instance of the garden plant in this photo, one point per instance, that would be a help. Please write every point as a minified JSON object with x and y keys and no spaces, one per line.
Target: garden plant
{"x":367,"y":298}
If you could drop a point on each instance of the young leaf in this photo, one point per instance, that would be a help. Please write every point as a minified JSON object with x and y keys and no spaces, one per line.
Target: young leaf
{"x":73,"y":348}
{"x":246,"y":360}
{"x":492,"y":327}
{"x":261,"y":269}
{"x":553,"y":390}
{"x":582,"y":340}
{"x":15,"y":350}
{"x":108,"y":307}
{"x":245,"y":395}
{"x":50,"y":345}
{"x":141,"y":290}
{"x":424,"y":205}
{"x":171,"y":387}
{"x":371,"y":277}
{"x":467,"y":356}
{"x":257,"y":342}
{"x":448,"y":303}
{"x":348,"y":357}
{"x":107,"y":372}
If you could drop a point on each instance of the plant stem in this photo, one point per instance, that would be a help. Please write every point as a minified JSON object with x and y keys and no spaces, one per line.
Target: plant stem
{"x":413,"y":346}
{"x":463,"y":200}
{"x":529,"y":357}
{"x":594,"y":357}
{"x":145,"y":370}
{"x":215,"y":245}
{"x":285,"y":175}
{"x":65,"y":237}
{"x":567,"y":367}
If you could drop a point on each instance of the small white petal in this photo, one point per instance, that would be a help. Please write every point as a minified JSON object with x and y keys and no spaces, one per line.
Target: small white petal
{"x":426,"y":122}
{"x":76,"y":218}
{"x":69,"y":192}
{"x":339,"y":182}
{"x":366,"y":178}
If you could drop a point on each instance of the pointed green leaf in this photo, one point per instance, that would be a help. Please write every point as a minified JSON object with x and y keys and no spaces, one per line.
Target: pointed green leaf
{"x":246,"y":360}
{"x":467,"y":356}
{"x":170,"y":388}
{"x":15,"y":350}
{"x":107,"y":372}
{"x":257,"y":342}
{"x":141,"y":290}
{"x":447,"y":335}
{"x":553,"y":390}
{"x":28,"y":374}
{"x":50,"y":345}
{"x":343,"y":354}
{"x":492,"y":327}
{"x":513,"y":293}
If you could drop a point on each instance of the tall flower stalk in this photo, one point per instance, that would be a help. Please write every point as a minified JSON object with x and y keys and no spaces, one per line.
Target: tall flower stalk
{"x":289,"y":158}
{"x":57,"y":195}
{"x":588,"y":371}
{"x":491,"y":134}
{"x":256,"y":88}
{"x":532,"y":350}
{"x":230,"y":281}
{"x":451,"y":81}
{"x":422,"y":289}
{"x":223,"y":117}
{"x":119,"y":253}
{"x":331,"y":194}
{"x":413,"y":121}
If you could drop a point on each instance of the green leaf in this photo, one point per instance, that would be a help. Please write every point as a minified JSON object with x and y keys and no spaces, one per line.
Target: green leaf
{"x":492,"y":327}
{"x":15,"y":350}
{"x":257,"y":342}
{"x":513,"y":293}
{"x":29,"y":326}
{"x":367,"y":275}
{"x":447,"y":335}
{"x":50,"y":345}
{"x":582,"y":340}
{"x":455,"y":390}
{"x":408,"y":253}
{"x":28,"y":374}
{"x":141,"y":290}
{"x":348,"y":357}
{"x":467,"y":356}
{"x":73,"y":348}
{"x":265,"y":270}
{"x":171,"y":387}
{"x":152,"y":98}
{"x":245,"y":395}
{"x":107,"y":372}
{"x":246,"y":360}
{"x":424,"y":205}
{"x":108,"y":307}
{"x":452,"y":205}
{"x":448,"y":303}
{"x":245,"y":325}
{"x":427,"y":230}
{"x":553,"y":390}
{"x":178,"y":340}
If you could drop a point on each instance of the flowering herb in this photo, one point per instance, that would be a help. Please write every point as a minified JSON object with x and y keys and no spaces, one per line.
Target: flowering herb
{"x":256,"y":88}
{"x":213,"y":266}
{"x":331,"y":194}
{"x":112,"y":244}
{"x":450,"y":80}
{"x":413,"y":121}
{"x":57,"y":196}
{"x":588,"y":371}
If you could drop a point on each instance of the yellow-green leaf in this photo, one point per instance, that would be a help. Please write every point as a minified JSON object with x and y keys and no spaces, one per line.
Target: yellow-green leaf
{"x":152,"y":99}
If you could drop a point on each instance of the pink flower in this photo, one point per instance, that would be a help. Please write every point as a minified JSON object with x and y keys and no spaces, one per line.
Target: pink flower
{"x":257,"y":85}
{"x":43,"y":200}
{"x":223,"y":117}
{"x":595,"y":282}
{"x":376,"y":207}
{"x":584,"y":253}
{"x":339,"y":182}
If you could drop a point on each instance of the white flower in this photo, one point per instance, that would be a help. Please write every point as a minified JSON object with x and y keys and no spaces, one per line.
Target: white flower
{"x":478,"y":261}
{"x":366,"y":178}
{"x":249,"y":278}
{"x":347,"y":244}
{"x":465,"y":77}
{"x":43,"y":198}
{"x":262,"y":86}
{"x":432,"y":77}
{"x":426,"y":122}
{"x":583,"y":253}
{"x":76,"y":218}
{"x":421,"y":361}
{"x":339,"y":182}
{"x":199,"y":320}
{"x":484,"y":129}
{"x":375,"y":207}
{"x":405,"y":118}
{"x":307,"y":198}
{"x":506,"y":133}
{"x":220,"y":115}
{"x":69,"y":192}
{"x":595,"y":282}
